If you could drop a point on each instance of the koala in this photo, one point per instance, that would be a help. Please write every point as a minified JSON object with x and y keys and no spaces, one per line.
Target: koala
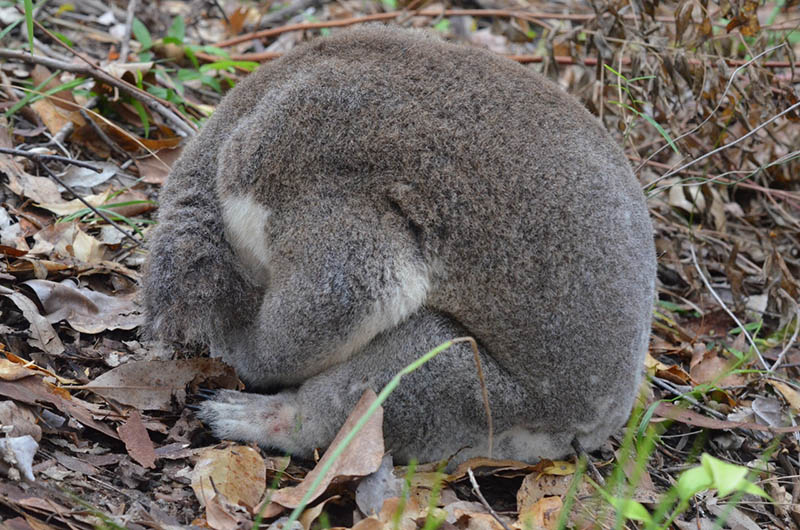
{"x":377,"y":192}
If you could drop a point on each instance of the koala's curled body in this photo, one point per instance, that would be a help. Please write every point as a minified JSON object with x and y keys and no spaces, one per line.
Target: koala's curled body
{"x":375,"y":193}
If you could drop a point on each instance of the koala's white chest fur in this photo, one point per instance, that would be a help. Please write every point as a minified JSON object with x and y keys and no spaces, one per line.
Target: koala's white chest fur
{"x":245,"y":228}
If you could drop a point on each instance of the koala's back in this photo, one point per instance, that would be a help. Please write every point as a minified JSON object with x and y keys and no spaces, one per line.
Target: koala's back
{"x":532,"y":228}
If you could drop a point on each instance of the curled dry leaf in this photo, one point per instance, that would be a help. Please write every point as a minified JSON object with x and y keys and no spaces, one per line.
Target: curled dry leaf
{"x":18,"y":421}
{"x":310,"y":515}
{"x":42,"y":334}
{"x":151,"y":385}
{"x":362,"y":457}
{"x":237,"y":472}
{"x":543,"y":514}
{"x":11,"y":371}
{"x":85,"y":310}
{"x":68,"y":241}
{"x":538,"y":486}
{"x":791,"y":395}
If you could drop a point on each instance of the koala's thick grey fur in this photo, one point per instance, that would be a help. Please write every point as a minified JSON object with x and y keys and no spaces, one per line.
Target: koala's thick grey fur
{"x":375,"y":193}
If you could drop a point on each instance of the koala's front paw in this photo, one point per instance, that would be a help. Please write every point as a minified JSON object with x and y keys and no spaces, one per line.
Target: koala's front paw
{"x":269,"y":421}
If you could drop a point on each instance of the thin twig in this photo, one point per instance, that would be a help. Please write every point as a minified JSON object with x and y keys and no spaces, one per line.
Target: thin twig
{"x":477,"y":490}
{"x":125,"y":47}
{"x":580,"y":452}
{"x":40,"y":159}
{"x":669,"y":387}
{"x":725,"y":307}
{"x":731,"y":144}
{"x":54,"y":158}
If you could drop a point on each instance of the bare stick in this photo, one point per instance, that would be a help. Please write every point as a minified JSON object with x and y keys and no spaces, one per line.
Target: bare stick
{"x":477,"y":490}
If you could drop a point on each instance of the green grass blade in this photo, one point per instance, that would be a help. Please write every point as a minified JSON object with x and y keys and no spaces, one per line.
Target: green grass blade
{"x":29,"y":21}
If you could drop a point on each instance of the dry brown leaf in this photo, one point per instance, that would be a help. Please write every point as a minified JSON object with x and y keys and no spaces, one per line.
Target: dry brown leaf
{"x":151,"y":385}
{"x":237,"y":472}
{"x":711,"y":367}
{"x":53,"y":117}
{"x":11,"y":371}
{"x":38,"y":189}
{"x":412,"y":511}
{"x":155,"y":168}
{"x":519,"y":468}
{"x":85,"y":310}
{"x":690,"y":417}
{"x":672,"y":372}
{"x":34,"y":368}
{"x":310,"y":515}
{"x":221,"y":515}
{"x":68,"y":241}
{"x":63,"y":98}
{"x":362,"y":457}
{"x":137,"y":441}
{"x":370,"y":523}
{"x":479,"y":521}
{"x":791,"y":395}
{"x":75,"y":205}
{"x":537,"y":486}
{"x":543,"y":514}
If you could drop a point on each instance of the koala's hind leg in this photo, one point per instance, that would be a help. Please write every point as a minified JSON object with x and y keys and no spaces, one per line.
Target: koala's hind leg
{"x":436,"y":411}
{"x":339,"y":273}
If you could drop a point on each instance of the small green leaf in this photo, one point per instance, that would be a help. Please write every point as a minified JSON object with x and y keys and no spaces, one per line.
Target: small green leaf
{"x":714,"y":473}
{"x":177,"y":30}
{"x":389,"y":5}
{"x":692,"y":481}
{"x":229,"y":64}
{"x":630,"y":509}
{"x":63,"y":38}
{"x":443,"y":25}
{"x":142,"y":35}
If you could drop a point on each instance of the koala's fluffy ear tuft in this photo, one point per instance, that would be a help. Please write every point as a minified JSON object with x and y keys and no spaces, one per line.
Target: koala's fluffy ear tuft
{"x":377,"y":192}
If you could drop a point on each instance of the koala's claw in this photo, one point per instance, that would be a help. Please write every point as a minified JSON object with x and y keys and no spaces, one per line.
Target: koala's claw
{"x":206,"y":393}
